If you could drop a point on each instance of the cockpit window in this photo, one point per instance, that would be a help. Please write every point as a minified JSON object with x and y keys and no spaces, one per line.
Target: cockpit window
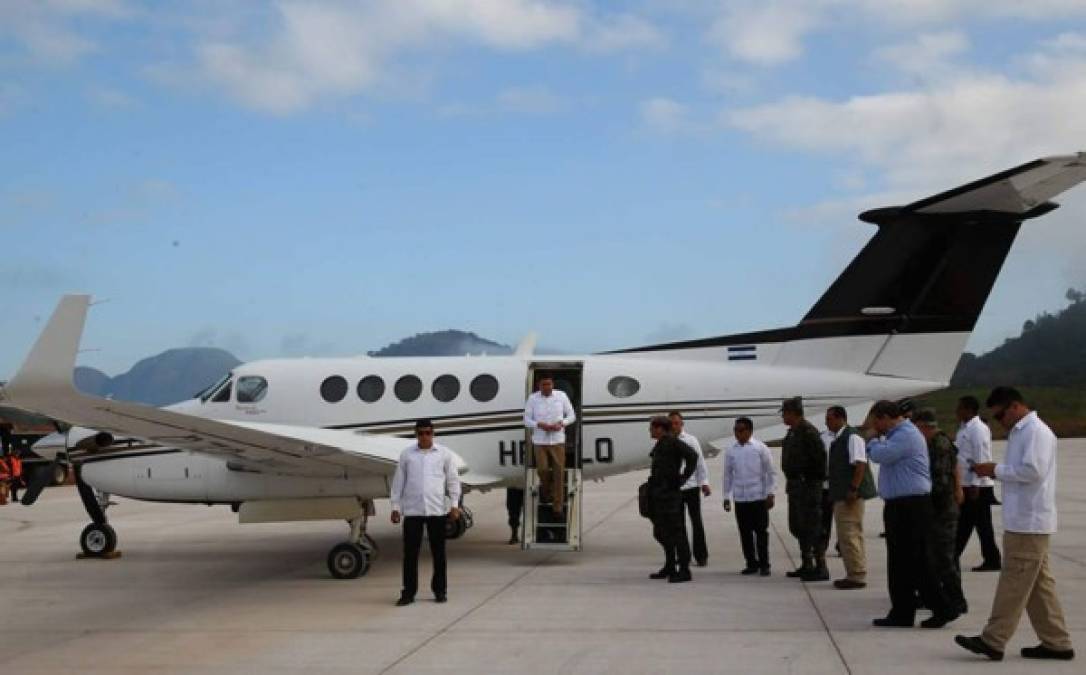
{"x":223,"y":394}
{"x":251,"y":388}
{"x":207,"y":393}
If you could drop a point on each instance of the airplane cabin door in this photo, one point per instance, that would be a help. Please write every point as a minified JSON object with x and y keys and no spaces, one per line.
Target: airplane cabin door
{"x":543,"y":529}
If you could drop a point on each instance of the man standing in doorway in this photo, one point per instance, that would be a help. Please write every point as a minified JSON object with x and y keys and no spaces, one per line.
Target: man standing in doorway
{"x":693,"y":490}
{"x":803,"y":461}
{"x":974,"y":441}
{"x":851,"y":484}
{"x":673,"y":462}
{"x":1028,"y":474}
{"x":547,"y":413}
{"x":425,"y":477}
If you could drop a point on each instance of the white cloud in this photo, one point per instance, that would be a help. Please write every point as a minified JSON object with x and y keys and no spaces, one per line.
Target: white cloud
{"x":306,"y":52}
{"x":927,"y":55}
{"x":46,"y":30}
{"x":772,"y":32}
{"x":109,"y":98}
{"x":664,"y":115}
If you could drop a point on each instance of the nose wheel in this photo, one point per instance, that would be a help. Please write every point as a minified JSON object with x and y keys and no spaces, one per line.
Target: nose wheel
{"x":98,"y":539}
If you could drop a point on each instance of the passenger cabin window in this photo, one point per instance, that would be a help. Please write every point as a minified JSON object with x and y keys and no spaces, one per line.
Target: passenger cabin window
{"x":446,"y":388}
{"x":371,"y":388}
{"x":334,"y":389}
{"x":623,"y":386}
{"x":251,"y":388}
{"x":223,"y":394}
{"x":408,"y":388}
{"x":484,"y":388}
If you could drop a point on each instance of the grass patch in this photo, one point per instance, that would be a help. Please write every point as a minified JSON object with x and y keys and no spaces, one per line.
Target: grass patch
{"x":1062,"y":408}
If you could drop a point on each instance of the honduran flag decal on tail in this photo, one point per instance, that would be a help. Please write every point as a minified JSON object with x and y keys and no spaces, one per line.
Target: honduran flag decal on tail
{"x":743,"y":353}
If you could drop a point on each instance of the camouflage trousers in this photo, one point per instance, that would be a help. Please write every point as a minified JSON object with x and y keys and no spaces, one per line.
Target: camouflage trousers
{"x":941,"y":545}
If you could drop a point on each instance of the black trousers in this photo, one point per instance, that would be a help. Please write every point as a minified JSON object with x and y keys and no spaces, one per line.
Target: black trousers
{"x":412,"y":542}
{"x":692,"y":505}
{"x":977,"y":514}
{"x":907,"y":521}
{"x":753,"y":521}
{"x":514,"y":504}
{"x":669,"y":528}
{"x":826,"y":529}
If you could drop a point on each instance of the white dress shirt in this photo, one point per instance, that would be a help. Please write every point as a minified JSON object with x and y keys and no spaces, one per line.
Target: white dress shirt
{"x":423,"y":479}
{"x":974,"y":441}
{"x":1028,"y":474}
{"x":748,"y":472}
{"x":549,"y":410}
{"x":701,"y":474}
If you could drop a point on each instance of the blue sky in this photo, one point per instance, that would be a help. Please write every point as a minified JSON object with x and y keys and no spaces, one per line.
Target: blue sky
{"x":327,"y":177}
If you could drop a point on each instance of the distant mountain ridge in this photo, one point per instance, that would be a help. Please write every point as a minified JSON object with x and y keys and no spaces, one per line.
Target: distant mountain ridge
{"x":169,"y":377}
{"x":1050,"y":351}
{"x":444,"y":343}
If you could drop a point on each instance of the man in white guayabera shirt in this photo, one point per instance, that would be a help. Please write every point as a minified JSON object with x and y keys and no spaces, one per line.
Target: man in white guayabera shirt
{"x":1028,"y":475}
{"x":693,"y":490}
{"x":749,"y":479}
{"x":425,"y":477}
{"x":547,"y":413}
{"x":974,"y":441}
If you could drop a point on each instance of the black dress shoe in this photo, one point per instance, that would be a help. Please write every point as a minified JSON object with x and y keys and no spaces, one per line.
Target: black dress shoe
{"x":796,"y":573}
{"x":848,"y":584}
{"x":1042,"y":652}
{"x":891,"y":622}
{"x":816,"y":574}
{"x":938,"y":620}
{"x":978,"y":646}
{"x":701,"y":563}
{"x":440,"y":597}
{"x":987,"y":568}
{"x":404,"y":600}
{"x":679,"y":577}
{"x":764,"y":572}
{"x":748,"y":570}
{"x":662,"y":573}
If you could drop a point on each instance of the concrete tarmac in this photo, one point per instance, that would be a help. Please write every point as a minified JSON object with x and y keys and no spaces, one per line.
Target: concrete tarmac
{"x":195,"y":592}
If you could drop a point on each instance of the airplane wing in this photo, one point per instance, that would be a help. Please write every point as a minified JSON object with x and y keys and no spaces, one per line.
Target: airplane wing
{"x":44,"y":386}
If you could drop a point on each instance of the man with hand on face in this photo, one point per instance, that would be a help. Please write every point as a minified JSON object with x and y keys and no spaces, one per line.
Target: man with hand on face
{"x":803,"y":461}
{"x":850,"y":484}
{"x":1028,"y":474}
{"x":425,"y":476}
{"x":547,"y":413}
{"x":749,"y":478}
{"x":673,"y":462}
{"x":905,"y":487}
{"x":693,"y":490}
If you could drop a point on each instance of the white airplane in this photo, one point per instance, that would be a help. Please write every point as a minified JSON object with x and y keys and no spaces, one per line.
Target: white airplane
{"x":302,"y":439}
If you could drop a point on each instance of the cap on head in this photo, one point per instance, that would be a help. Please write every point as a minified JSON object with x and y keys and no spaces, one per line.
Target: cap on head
{"x":793,"y":405}
{"x":926,"y":417}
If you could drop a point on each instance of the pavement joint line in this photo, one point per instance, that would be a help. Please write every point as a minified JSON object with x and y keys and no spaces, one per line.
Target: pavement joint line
{"x":447,"y":627}
{"x":814,"y":605}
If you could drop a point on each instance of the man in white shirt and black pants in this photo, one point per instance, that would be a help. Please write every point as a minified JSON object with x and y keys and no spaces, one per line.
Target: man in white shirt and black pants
{"x":750,"y":480}
{"x":974,"y":441}
{"x":425,"y":476}
{"x":547,"y":413}
{"x":1028,"y":474}
{"x":692,"y":490}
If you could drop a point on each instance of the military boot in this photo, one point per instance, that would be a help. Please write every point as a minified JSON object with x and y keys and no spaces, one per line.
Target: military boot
{"x":818,"y":572}
{"x":806,"y":569}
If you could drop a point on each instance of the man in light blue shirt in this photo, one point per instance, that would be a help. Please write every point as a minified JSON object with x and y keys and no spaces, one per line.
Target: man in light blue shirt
{"x":905,"y":485}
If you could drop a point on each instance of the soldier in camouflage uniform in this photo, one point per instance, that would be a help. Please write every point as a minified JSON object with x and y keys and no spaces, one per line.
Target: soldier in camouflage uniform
{"x":803,"y":461}
{"x":946,"y":497}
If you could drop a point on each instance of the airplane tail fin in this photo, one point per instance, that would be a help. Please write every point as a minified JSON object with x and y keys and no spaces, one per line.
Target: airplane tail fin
{"x":51,"y":362}
{"x":906,"y":304}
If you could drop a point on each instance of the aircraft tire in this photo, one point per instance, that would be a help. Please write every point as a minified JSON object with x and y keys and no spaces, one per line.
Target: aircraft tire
{"x":60,"y":474}
{"x":98,"y":539}
{"x":348,"y":561}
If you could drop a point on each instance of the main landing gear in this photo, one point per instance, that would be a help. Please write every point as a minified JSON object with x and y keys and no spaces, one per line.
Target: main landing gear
{"x":352,"y":558}
{"x":98,"y":539}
